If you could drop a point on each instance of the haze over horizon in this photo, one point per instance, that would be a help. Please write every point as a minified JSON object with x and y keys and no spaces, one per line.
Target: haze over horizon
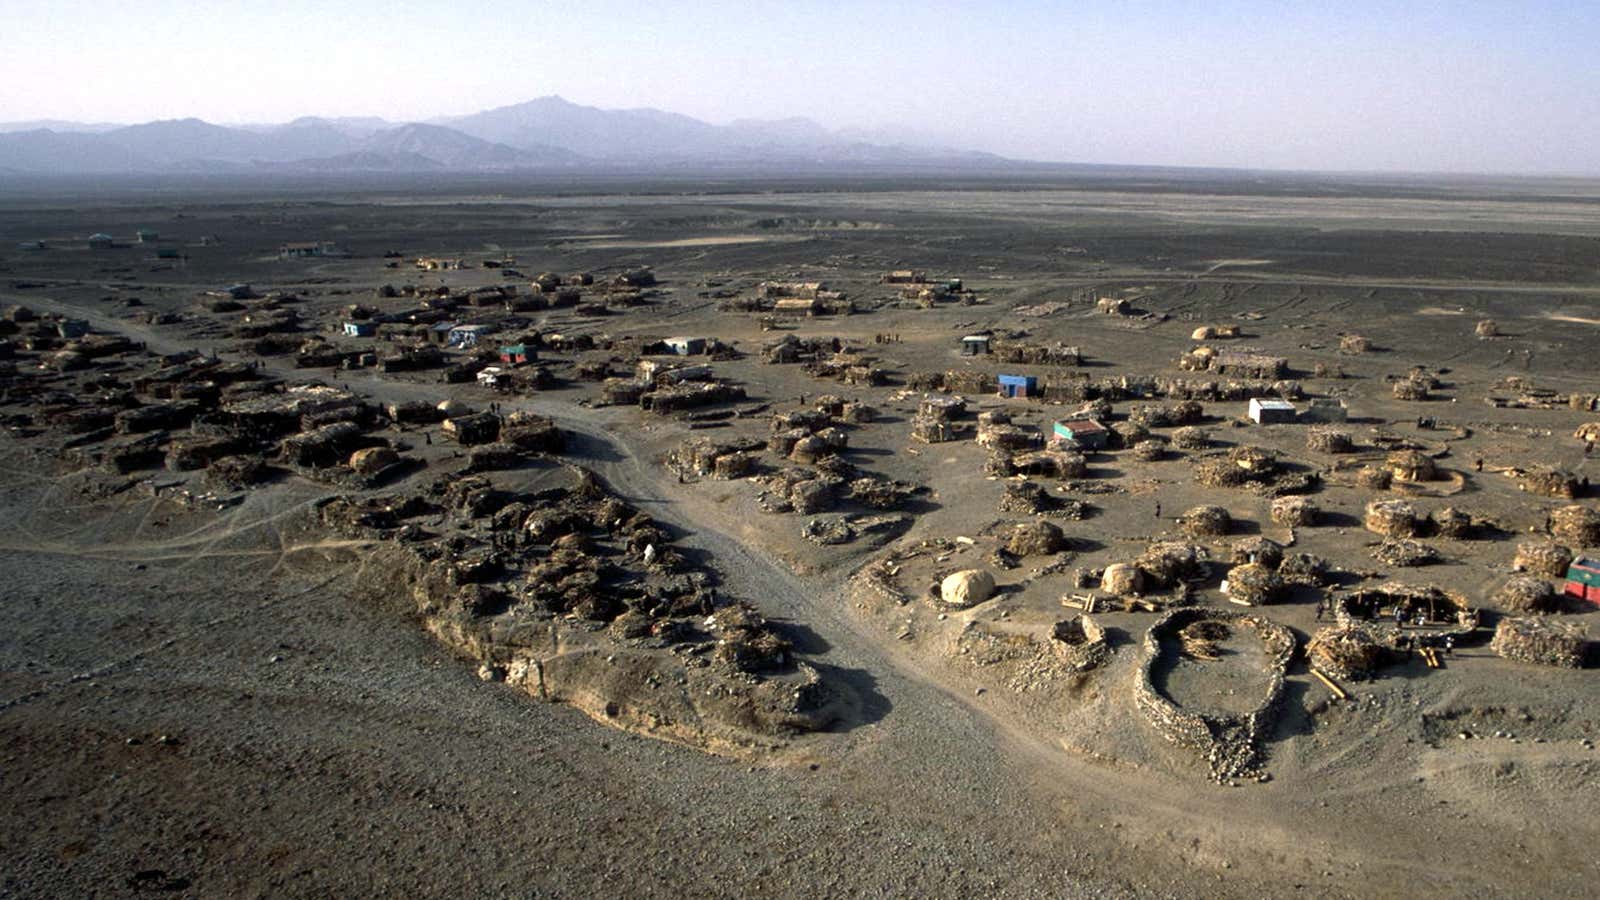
{"x":1373,"y":86}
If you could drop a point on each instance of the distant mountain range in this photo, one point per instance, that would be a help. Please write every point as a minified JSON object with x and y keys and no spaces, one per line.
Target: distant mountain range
{"x":547,"y":134}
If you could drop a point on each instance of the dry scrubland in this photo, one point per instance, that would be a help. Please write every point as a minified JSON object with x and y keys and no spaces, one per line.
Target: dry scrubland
{"x":812,"y":609}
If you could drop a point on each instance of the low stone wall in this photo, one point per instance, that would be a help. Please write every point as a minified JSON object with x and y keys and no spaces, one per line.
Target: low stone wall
{"x":1231,"y":744}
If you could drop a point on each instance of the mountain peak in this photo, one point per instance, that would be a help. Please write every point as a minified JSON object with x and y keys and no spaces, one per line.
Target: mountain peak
{"x":545,"y":131}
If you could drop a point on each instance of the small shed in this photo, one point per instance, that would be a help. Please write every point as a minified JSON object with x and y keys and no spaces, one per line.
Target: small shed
{"x":71,"y":329}
{"x":491,"y":376}
{"x":100,"y":241}
{"x":1019,"y":386}
{"x":147,"y":235}
{"x":1583,"y":580}
{"x":31,"y":245}
{"x":439,"y":333}
{"x":1270,"y":411}
{"x":1086,"y":433}
{"x":685,"y":346}
{"x":975,"y":345}
{"x":360,"y":329}
{"x":516,"y":354}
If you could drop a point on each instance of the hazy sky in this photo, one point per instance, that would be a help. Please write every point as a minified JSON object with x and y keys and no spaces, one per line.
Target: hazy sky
{"x":1492,"y":86}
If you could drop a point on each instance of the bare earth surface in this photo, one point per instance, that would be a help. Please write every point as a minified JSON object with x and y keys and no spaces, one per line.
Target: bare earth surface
{"x":205,"y":698}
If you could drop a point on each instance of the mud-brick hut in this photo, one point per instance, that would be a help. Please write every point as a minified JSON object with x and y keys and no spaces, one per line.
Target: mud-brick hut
{"x":975,"y":345}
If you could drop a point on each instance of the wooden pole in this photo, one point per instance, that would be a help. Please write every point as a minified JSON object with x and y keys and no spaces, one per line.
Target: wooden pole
{"x":1337,"y":691}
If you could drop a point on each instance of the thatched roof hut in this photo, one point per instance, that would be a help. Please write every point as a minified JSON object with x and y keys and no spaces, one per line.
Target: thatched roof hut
{"x":1329,"y":440}
{"x":1169,"y":562}
{"x":1527,"y":594}
{"x":1127,"y":433}
{"x":1548,"y":482}
{"x":1294,"y":512}
{"x":1453,"y":523}
{"x":1354,"y":343}
{"x":1393,"y":519}
{"x":809,"y":449}
{"x":1149,"y":450}
{"x":1404,"y":552}
{"x":1122,"y":580}
{"x":1218,"y":471}
{"x":1411,"y":465}
{"x":1487,"y":328}
{"x":1545,"y":642}
{"x":1576,"y":525}
{"x":1206,"y":521}
{"x":1346,"y":651}
{"x":1304,"y":568}
{"x":1037,"y":538}
{"x":1374,"y":478}
{"x":1239,"y":466}
{"x":1545,"y":558}
{"x":1411,"y":389}
{"x":1255,"y":461}
{"x":1256,"y":549}
{"x":1253,"y":584}
{"x":1191,"y":437}
{"x":1588,"y":432}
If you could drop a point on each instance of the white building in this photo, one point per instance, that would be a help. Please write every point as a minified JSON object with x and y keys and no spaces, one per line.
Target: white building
{"x":1269,"y":411}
